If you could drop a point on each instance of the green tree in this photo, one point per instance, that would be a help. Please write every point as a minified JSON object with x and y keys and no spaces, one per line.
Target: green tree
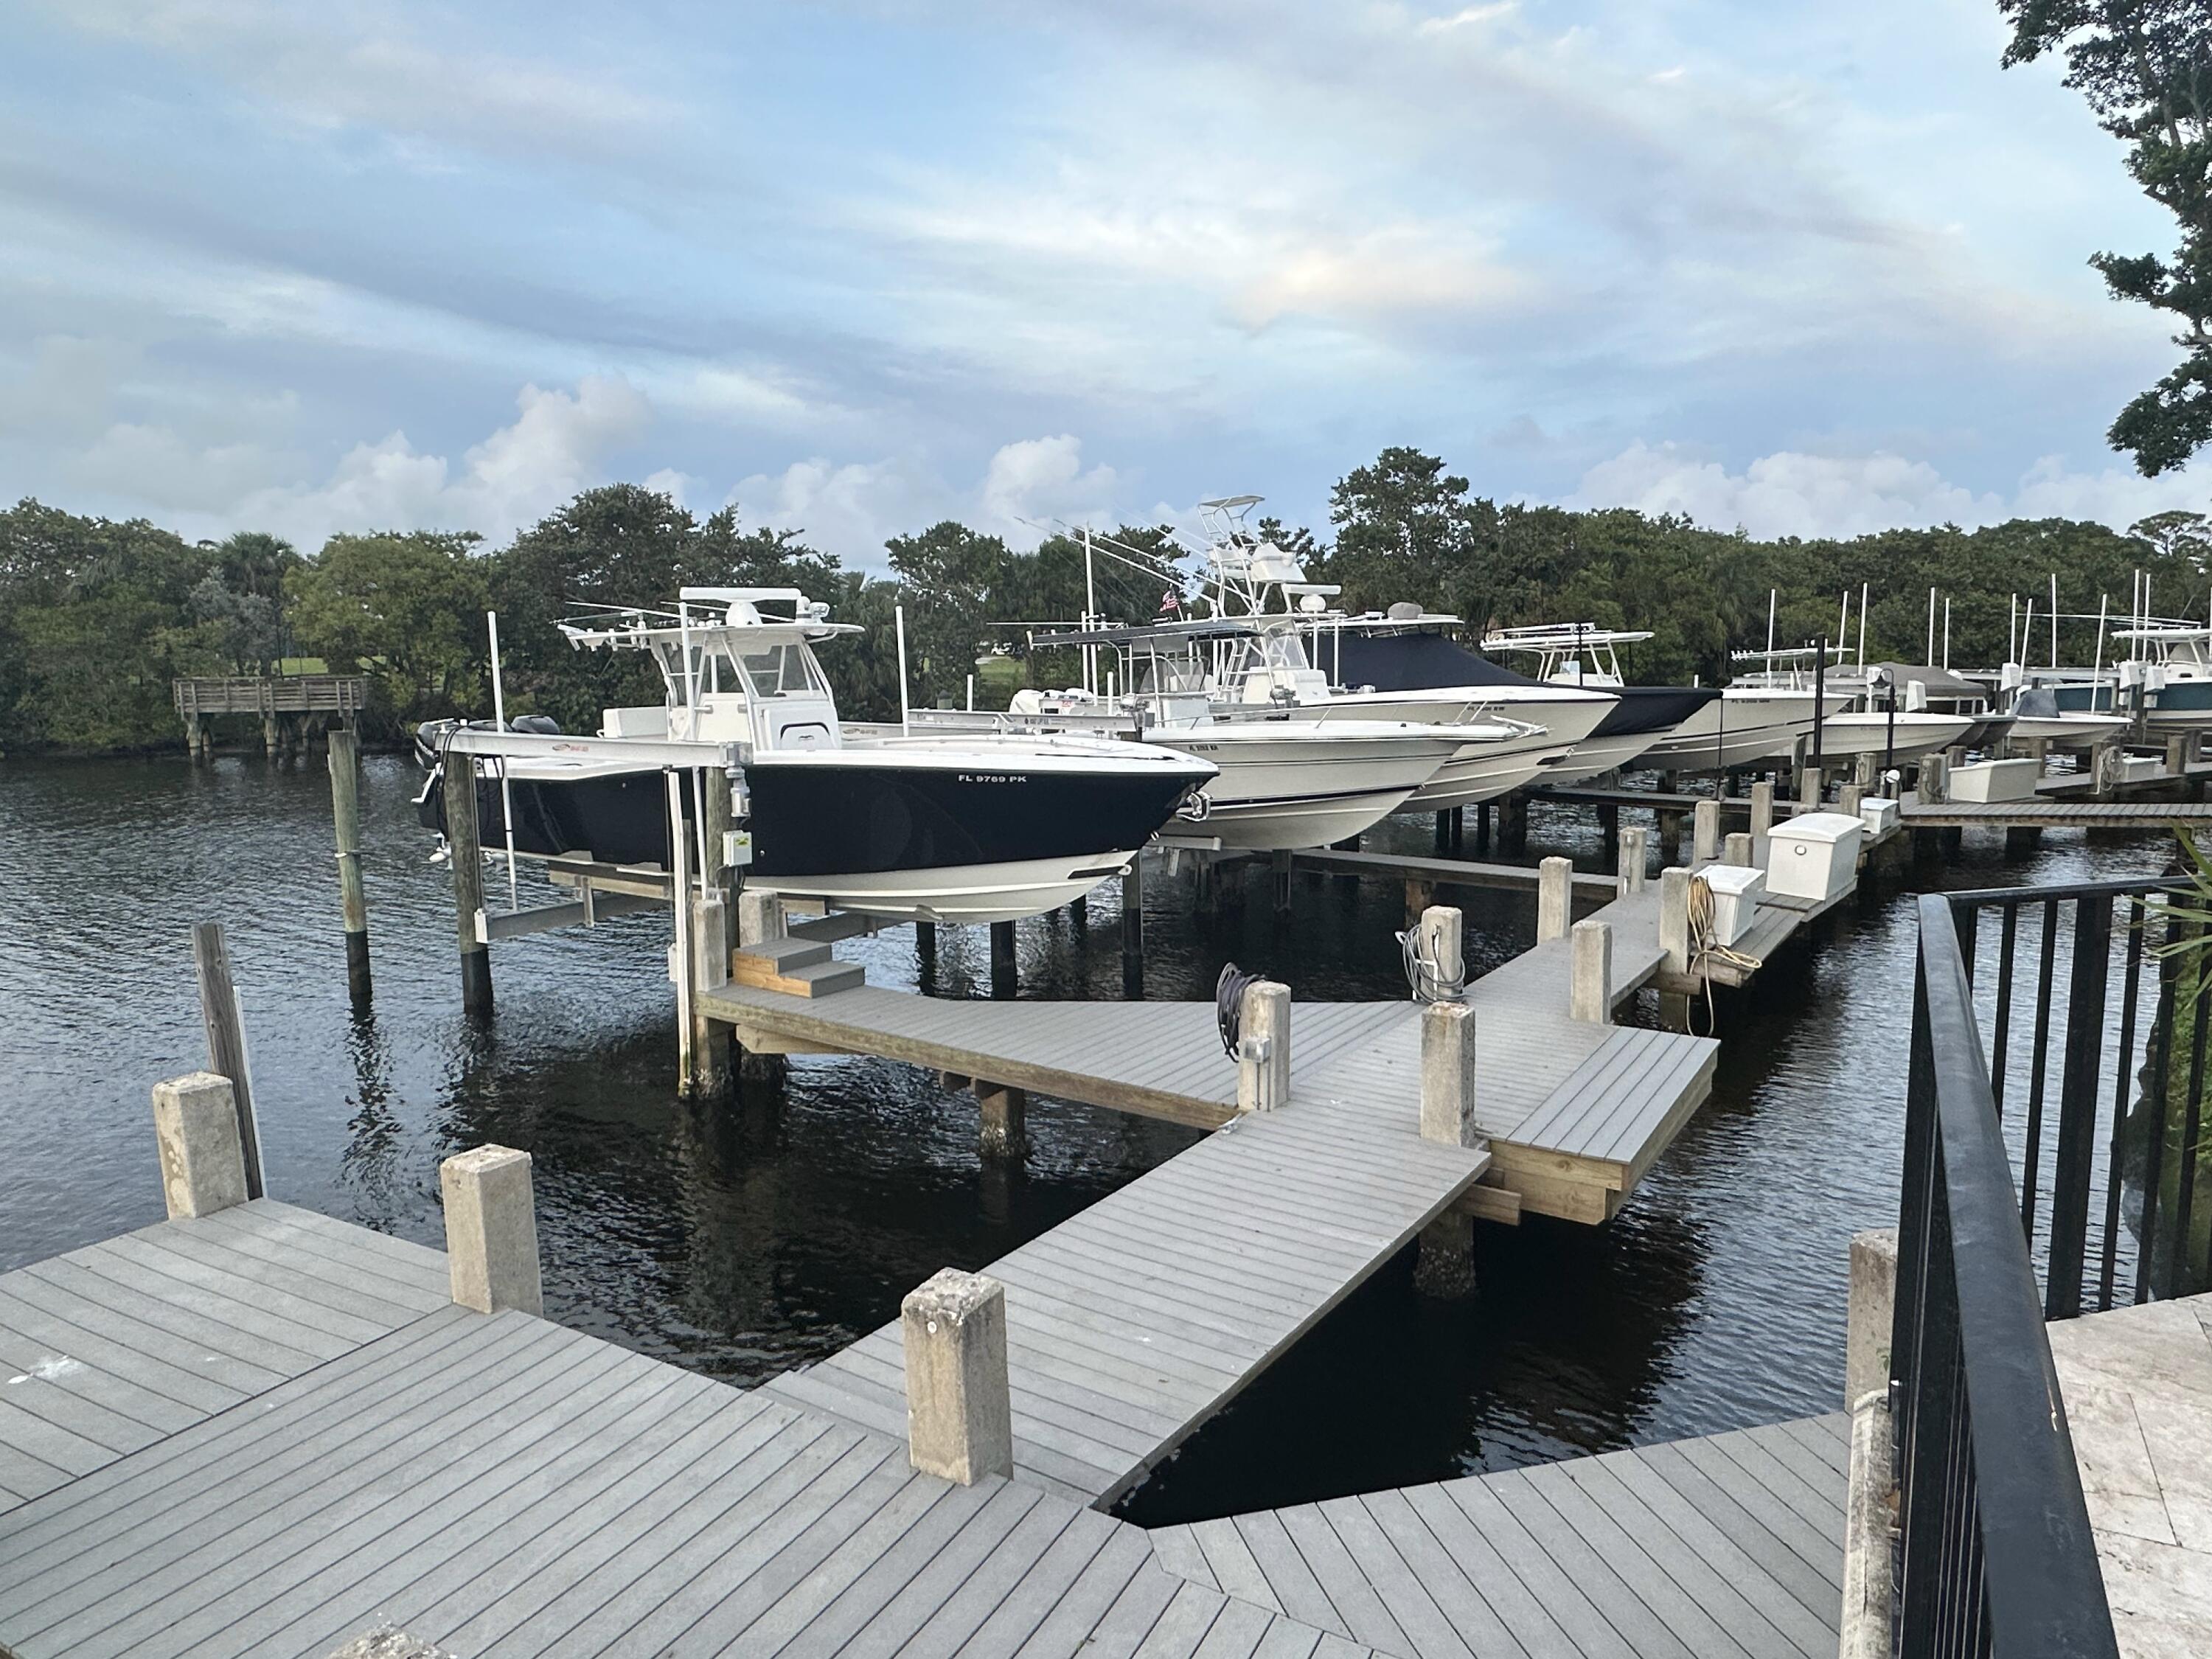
{"x":2145,"y":67}
{"x":947,"y":574}
{"x":406,"y":609}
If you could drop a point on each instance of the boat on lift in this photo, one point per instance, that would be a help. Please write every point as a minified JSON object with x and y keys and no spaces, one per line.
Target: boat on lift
{"x":1737,"y":725}
{"x":1856,"y":718}
{"x":967,"y":827}
{"x":1286,"y":779}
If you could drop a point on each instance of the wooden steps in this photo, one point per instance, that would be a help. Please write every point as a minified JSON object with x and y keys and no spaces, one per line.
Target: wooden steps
{"x":796,"y":967}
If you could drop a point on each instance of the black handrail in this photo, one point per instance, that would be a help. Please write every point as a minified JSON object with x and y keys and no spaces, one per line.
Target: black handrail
{"x":1998,"y":1557}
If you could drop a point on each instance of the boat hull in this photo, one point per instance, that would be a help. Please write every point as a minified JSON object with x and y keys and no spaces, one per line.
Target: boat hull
{"x":1304,"y":785}
{"x":1868,"y":732}
{"x":1738,"y":728}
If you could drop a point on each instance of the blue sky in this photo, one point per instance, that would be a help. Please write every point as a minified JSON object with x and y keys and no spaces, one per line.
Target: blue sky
{"x":374,"y":263}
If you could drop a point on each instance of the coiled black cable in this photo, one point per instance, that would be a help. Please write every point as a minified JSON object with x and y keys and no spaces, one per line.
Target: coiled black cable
{"x":1229,"y":1005}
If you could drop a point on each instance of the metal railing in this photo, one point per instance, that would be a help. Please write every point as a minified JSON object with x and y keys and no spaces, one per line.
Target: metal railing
{"x":1997,"y":1557}
{"x":2100,"y":1088}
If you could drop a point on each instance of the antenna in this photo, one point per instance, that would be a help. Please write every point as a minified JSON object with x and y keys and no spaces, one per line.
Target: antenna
{"x":906,"y":723}
{"x":506,"y":792}
{"x":1863,"y":586}
{"x":2054,"y":619}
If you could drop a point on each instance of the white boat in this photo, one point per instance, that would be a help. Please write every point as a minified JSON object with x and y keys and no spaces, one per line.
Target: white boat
{"x":2170,"y":671}
{"x":980,"y":827}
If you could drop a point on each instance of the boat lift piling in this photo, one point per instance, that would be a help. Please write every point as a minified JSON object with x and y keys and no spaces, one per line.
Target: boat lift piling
{"x":344,"y":762}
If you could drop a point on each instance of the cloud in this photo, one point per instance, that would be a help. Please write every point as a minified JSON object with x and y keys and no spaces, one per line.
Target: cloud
{"x":1793,"y":494}
{"x":1041,"y":479}
{"x":850,"y":509}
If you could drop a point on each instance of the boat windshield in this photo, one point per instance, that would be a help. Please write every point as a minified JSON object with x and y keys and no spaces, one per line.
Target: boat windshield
{"x":776,"y":671}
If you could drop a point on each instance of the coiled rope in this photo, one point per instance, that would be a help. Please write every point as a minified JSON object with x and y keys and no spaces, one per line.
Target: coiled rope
{"x":1705,"y":948}
{"x":1424,"y":976}
{"x":1229,"y":1005}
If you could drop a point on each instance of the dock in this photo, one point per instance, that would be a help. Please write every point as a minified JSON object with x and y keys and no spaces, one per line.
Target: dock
{"x":496,"y":1484}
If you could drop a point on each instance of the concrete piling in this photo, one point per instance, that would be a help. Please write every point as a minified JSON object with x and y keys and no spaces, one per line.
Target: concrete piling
{"x":1675,"y":917}
{"x":1635,"y":857}
{"x":1705,"y":845}
{"x":1868,"y":1311}
{"x":1762,"y":810}
{"x":1263,"y":1057}
{"x":1441,"y":932}
{"x":959,"y":1410}
{"x":1737,"y":850}
{"x":1555,"y":903}
{"x":1848,"y":799}
{"x":196,"y":1128}
{"x":1448,"y":1081}
{"x":491,"y":1230}
{"x":344,"y":763}
{"x":1934,"y":785}
{"x":1590,"y":988}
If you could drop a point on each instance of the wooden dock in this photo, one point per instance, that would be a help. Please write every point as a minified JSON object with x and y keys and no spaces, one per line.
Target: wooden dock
{"x":496,"y":1484}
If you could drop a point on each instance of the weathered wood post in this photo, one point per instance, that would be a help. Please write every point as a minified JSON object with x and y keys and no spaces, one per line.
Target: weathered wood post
{"x":1263,"y":1047}
{"x":1279,"y":863}
{"x":1419,"y":895}
{"x":1635,"y":859}
{"x":1002,"y":1131}
{"x":1133,"y":924}
{"x":1863,"y":768}
{"x":1590,"y":989}
{"x":2177,"y":755}
{"x":1555,"y":898}
{"x":1447,"y":1055}
{"x":1934,"y":787}
{"x":1810,"y":783}
{"x":1004,"y":975}
{"x":1706,"y":820}
{"x":272,"y":738}
{"x":760,"y":922}
{"x":1736,"y":850}
{"x":1609,"y":828}
{"x":467,"y":860}
{"x":1762,"y":810}
{"x":959,"y":1409}
{"x":709,"y":941}
{"x":1442,"y":934}
{"x":195,"y":737}
{"x":491,"y":1230}
{"x":2039,"y":751}
{"x":1848,"y":799}
{"x":225,"y":1025}
{"x":1444,"y":832}
{"x":1675,"y":917}
{"x":1670,"y":820}
{"x":344,"y":762}
{"x":196,"y":1128}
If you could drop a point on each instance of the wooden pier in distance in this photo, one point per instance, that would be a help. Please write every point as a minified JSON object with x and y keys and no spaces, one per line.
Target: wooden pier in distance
{"x":287,"y":705}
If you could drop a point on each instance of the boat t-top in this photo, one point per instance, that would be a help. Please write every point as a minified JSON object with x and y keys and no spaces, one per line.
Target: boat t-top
{"x":967,"y":827}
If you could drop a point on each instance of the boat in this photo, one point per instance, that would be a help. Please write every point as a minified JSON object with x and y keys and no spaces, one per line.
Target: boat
{"x":2170,"y":670}
{"x":1286,"y":779}
{"x":1856,"y":718}
{"x":971,"y":827}
{"x":1733,"y":726}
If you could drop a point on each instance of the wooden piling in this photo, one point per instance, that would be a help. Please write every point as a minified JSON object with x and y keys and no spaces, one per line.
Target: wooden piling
{"x":1555,"y":898}
{"x":1263,"y":1059}
{"x":1706,"y":829}
{"x":467,"y":860}
{"x":1419,"y":895}
{"x":1280,"y":880}
{"x":1762,"y":810}
{"x":1591,"y":985}
{"x":344,"y":763}
{"x":1003,"y":971}
{"x":1444,"y":832}
{"x":1675,"y":917}
{"x":1003,"y":1128}
{"x":1133,"y":925}
{"x":1848,"y":799}
{"x":226,"y":1040}
{"x":1634,"y":856}
{"x":1670,"y":833}
{"x":1738,"y":850}
{"x":1934,"y":785}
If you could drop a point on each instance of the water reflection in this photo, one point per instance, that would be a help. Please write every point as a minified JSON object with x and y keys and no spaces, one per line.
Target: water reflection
{"x":741,"y":1236}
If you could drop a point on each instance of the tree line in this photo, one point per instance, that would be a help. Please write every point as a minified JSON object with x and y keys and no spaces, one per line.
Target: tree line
{"x":97,"y":616}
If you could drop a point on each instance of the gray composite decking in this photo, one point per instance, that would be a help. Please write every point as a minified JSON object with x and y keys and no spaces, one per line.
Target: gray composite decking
{"x":109,"y":1349}
{"x":1132,"y":1322}
{"x":1730,"y":1546}
{"x":500,"y":1486}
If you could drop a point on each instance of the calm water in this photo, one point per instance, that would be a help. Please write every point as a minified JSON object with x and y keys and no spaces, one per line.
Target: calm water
{"x":744,"y":1237}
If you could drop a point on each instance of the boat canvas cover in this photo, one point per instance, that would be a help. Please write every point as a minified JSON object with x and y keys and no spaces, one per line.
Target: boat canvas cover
{"x":1429,"y":662}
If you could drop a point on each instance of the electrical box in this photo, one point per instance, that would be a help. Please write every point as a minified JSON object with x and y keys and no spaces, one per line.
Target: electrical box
{"x":737,"y":849}
{"x":1736,"y":889}
{"x":1879,"y":813}
{"x":1987,"y":781}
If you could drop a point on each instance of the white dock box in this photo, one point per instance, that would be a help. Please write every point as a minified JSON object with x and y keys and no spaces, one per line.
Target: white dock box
{"x":1736,"y":889}
{"x":1814,"y":855}
{"x":2142,"y":768}
{"x":2004,"y":779}
{"x":1881,"y":815}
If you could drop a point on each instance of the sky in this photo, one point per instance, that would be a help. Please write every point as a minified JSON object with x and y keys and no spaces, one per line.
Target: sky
{"x":856,"y":268}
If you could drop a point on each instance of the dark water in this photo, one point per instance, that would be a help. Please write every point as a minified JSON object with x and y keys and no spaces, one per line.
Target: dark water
{"x":743,"y":1238}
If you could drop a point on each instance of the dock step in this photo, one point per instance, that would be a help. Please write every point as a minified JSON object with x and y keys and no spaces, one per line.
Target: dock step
{"x":796,"y":967}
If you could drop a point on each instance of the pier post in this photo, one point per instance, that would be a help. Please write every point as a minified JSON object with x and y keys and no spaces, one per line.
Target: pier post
{"x":1864,"y":767}
{"x":1609,"y":828}
{"x":959,"y":1409}
{"x":1079,"y":913}
{"x":1448,"y":1074}
{"x":1263,"y":1047}
{"x":225,"y":1025}
{"x":272,"y":736}
{"x":1635,"y":856}
{"x":710,"y":971}
{"x":1935,"y":785}
{"x":1870,"y":1309}
{"x":1133,"y":925}
{"x":1736,"y":850}
{"x":1848,"y":799}
{"x":1810,"y":783}
{"x":1445,"y":1269}
{"x":1003,"y":972}
{"x":760,"y":922}
{"x":2039,"y":751}
{"x":491,"y":1230}
{"x":1762,"y":810}
{"x":2022,"y":839}
{"x":1675,"y":917}
{"x":1482,"y":827}
{"x":1590,"y":990}
{"x":1444,"y":832}
{"x":1419,"y":895}
{"x":1705,"y":821}
{"x":345,"y":760}
{"x":1004,"y":1131}
{"x":467,"y":860}
{"x":2177,"y":755}
{"x":195,"y":1127}
{"x":1670,"y":833}
{"x":1279,"y":864}
{"x":1555,"y":898}
{"x":1441,"y":937}
{"x":195,"y":738}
